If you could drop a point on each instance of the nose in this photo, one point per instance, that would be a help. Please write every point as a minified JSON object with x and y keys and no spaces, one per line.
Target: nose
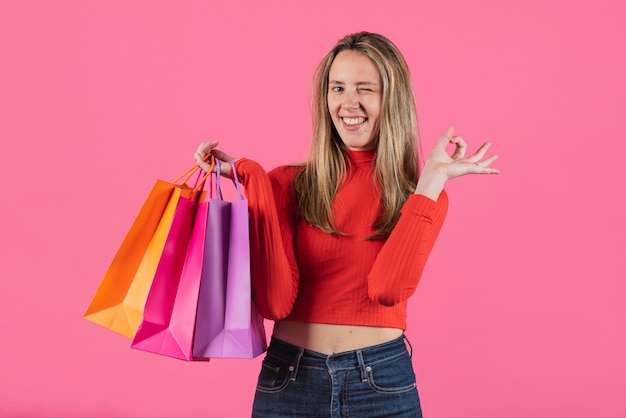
{"x":351,"y":101}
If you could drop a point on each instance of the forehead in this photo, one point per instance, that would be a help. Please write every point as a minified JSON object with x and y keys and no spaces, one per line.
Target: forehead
{"x":353,"y":66}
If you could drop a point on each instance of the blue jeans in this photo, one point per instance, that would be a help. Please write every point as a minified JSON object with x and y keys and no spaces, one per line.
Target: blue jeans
{"x":376,"y":381}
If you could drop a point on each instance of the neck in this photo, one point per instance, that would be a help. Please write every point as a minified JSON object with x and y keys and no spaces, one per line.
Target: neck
{"x":360,"y":158}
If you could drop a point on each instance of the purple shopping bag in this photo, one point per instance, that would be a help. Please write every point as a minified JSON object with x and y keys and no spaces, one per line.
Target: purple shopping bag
{"x":228,"y":324}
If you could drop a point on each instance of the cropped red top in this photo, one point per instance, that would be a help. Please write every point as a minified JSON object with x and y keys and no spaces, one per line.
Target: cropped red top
{"x":300,"y":273}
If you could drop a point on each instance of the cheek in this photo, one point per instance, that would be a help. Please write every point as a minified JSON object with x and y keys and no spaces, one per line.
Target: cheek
{"x":374,"y":111}
{"x":332,"y":106}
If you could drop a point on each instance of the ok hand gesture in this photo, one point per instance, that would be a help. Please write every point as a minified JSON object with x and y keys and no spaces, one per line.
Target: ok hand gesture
{"x":441,"y":167}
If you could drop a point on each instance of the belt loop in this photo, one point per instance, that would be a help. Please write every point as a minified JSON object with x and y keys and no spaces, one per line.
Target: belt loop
{"x":294,"y":369}
{"x":410,"y":346}
{"x":359,"y":356}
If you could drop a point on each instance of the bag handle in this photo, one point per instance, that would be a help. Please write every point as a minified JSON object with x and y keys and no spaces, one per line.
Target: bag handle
{"x":218,"y":186}
{"x":190,"y":171}
{"x":200,"y":183}
{"x":235,"y":179}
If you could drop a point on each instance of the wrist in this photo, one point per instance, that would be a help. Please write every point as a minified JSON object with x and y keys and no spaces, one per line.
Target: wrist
{"x":430,"y":184}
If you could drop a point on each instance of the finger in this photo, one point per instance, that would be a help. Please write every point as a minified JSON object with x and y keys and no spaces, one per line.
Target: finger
{"x":444,"y":140}
{"x":483,"y":167}
{"x":206,"y":147}
{"x":487,"y":170}
{"x":461,"y":147}
{"x":222,"y":155}
{"x":487,"y":162}
{"x":449,"y":132}
{"x":204,"y":165}
{"x":200,"y":149}
{"x":480,"y":153}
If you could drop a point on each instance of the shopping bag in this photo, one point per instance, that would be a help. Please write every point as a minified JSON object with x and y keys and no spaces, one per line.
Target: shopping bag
{"x":170,"y":312}
{"x":119,"y":301}
{"x":228,"y":324}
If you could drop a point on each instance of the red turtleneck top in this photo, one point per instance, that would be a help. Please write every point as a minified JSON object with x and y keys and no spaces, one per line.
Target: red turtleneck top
{"x":300,"y":273}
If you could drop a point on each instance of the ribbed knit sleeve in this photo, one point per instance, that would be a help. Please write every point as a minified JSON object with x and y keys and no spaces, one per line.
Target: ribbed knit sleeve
{"x":273,"y":267}
{"x":399,"y":265}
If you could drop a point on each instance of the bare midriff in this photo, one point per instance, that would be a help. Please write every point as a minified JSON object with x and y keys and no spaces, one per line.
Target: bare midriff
{"x":330,"y":338}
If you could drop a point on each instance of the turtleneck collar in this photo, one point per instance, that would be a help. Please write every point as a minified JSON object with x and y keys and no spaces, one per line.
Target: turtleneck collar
{"x":361,"y":158}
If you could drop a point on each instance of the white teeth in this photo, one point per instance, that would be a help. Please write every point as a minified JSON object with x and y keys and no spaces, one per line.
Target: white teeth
{"x":353,"y":121}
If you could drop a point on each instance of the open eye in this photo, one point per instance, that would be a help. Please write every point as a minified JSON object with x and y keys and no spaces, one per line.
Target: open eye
{"x":336,"y":89}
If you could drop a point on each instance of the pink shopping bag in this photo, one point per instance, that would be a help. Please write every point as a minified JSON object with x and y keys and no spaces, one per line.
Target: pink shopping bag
{"x":228,"y":324}
{"x":169,"y":315}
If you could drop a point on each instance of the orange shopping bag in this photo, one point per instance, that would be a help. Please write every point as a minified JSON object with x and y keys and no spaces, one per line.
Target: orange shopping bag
{"x":120,"y":299}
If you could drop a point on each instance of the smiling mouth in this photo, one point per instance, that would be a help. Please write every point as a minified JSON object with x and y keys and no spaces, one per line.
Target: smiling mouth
{"x":353,"y":121}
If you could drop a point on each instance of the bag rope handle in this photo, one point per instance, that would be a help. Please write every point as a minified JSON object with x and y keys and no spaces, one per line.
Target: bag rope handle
{"x":235,"y":179}
{"x":190,"y":171}
{"x":200,"y":183}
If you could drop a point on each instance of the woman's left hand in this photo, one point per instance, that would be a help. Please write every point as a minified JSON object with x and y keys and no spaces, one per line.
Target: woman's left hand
{"x":455,"y":165}
{"x":440,"y":166}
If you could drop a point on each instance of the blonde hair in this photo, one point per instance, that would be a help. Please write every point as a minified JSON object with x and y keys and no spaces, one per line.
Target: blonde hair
{"x":396,"y":147}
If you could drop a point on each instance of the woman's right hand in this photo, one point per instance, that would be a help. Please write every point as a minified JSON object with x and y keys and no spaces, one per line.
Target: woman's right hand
{"x":210,"y":148}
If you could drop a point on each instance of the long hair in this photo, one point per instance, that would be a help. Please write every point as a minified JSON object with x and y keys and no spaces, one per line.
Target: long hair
{"x":396,"y":145}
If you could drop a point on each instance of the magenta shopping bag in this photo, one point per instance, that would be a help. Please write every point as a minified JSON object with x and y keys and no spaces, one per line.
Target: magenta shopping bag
{"x":170,"y":311}
{"x":228,"y":324}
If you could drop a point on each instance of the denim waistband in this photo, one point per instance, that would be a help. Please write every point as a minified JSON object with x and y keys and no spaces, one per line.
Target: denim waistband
{"x":299,"y":357}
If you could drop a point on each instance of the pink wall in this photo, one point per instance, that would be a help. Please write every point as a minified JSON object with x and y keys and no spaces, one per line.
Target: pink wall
{"x":520,"y":312}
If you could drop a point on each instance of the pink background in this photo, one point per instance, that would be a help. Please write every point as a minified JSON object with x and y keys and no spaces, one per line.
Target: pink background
{"x":520,"y":312}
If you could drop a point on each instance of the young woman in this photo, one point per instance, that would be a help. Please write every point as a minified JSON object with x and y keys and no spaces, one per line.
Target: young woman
{"x":339,"y":242}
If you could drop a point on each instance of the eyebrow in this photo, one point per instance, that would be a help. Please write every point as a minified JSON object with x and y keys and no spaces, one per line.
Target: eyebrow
{"x":360,"y":83}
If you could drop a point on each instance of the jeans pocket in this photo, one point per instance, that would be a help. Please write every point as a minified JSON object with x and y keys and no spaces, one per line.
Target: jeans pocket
{"x":274,"y":376}
{"x":393,"y":375}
